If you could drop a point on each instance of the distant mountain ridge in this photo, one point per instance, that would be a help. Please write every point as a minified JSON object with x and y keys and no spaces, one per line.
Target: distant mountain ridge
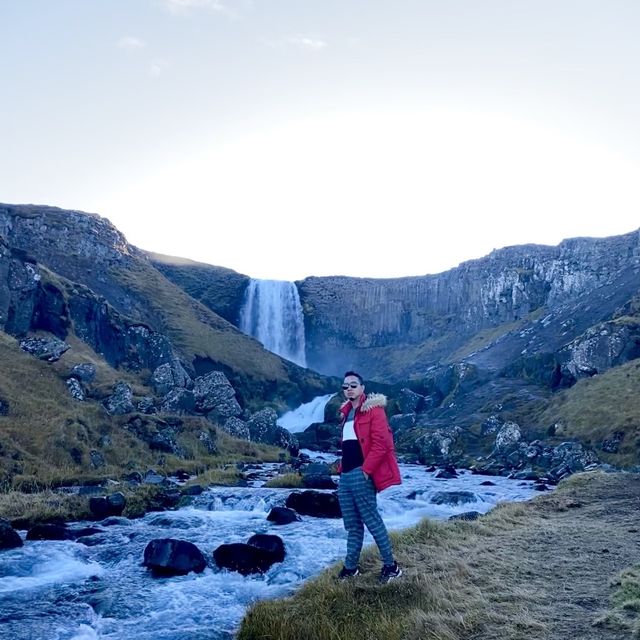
{"x":463,"y":355}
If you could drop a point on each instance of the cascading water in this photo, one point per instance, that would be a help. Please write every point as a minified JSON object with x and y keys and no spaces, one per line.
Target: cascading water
{"x":272,"y":314}
{"x":306,"y":414}
{"x":96,"y":588}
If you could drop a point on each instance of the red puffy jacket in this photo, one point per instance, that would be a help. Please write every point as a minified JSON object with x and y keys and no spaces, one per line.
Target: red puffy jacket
{"x":376,"y":440}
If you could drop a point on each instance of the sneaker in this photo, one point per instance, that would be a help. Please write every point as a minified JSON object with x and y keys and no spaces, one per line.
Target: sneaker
{"x":390,"y":572}
{"x":345,"y":573}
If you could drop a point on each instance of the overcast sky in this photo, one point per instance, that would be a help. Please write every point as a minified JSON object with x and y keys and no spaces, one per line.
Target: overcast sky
{"x":288,"y":138}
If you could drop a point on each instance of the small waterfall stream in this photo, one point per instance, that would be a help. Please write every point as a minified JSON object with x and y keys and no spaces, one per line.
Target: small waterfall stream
{"x":272,"y":314}
{"x":99,"y":590}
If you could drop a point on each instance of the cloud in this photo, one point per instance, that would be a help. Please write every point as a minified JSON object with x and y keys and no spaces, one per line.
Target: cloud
{"x":131,"y":43}
{"x":310,"y":43}
{"x":307,"y":42}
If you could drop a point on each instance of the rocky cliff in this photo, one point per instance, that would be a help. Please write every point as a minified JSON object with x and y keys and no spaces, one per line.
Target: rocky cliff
{"x":69,"y":272}
{"x":397,"y":328}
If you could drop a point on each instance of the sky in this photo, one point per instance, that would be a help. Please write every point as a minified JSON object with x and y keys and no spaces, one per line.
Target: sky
{"x":294,"y":138}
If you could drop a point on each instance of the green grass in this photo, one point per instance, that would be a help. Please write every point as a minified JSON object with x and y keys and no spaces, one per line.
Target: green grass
{"x":624,"y":612}
{"x":594,"y":408}
{"x":47,"y":437}
{"x":285,"y":481}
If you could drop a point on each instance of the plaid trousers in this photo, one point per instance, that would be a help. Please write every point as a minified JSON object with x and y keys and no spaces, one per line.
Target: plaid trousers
{"x":357,"y":498}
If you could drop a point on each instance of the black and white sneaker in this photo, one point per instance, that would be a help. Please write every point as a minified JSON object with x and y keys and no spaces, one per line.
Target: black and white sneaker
{"x":390,"y":572}
{"x":345,"y":573}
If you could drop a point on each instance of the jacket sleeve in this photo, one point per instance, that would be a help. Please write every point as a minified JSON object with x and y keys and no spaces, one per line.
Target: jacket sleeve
{"x":381,"y":440}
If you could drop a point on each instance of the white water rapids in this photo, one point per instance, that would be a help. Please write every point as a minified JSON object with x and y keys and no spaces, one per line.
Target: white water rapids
{"x":71,"y":591}
{"x":68,"y":590}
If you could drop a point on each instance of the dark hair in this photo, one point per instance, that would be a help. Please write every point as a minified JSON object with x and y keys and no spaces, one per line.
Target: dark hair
{"x":355,"y":375}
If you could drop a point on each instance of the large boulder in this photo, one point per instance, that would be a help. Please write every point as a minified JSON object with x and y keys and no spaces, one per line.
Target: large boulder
{"x":104,"y":506}
{"x":49,"y":349}
{"x":169,"y":557}
{"x":282,"y":515}
{"x":263,"y":428}
{"x":441,"y":446}
{"x":256,"y":556}
{"x":121,"y":401}
{"x":170,"y":375}
{"x":315,"y":503}
{"x":214,"y":394}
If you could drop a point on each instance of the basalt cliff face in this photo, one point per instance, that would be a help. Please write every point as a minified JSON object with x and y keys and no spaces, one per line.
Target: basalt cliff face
{"x":521,"y":301}
{"x":478,"y":358}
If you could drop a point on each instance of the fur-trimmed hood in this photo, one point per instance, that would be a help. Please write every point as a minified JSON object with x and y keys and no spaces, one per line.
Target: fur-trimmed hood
{"x":370,"y":401}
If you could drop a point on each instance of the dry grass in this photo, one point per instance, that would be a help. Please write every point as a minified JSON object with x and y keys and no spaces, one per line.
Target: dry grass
{"x":285,"y":481}
{"x":596,"y":407}
{"x":521,"y":572}
{"x":194,"y":329}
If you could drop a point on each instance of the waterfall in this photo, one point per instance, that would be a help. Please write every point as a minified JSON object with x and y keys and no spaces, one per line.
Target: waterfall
{"x":272,"y":314}
{"x":306,"y":414}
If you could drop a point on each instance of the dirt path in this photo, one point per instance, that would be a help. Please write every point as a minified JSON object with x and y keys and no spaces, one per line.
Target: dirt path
{"x":568,"y":556}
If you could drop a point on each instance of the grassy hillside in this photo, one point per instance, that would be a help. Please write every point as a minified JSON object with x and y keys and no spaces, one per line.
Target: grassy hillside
{"x":194,"y":329}
{"x":596,"y":408}
{"x":47,"y":436}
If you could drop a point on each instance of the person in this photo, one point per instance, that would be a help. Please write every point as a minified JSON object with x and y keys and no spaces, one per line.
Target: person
{"x":368,"y":465}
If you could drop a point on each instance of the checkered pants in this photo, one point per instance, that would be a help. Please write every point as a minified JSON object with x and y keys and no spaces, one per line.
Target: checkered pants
{"x":357,"y":498}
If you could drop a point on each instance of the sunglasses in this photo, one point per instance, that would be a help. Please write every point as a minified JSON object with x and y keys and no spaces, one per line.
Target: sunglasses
{"x":353,"y":385}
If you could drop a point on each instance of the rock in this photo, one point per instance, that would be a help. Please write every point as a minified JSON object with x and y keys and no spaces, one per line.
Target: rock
{"x":169,"y":557}
{"x":152,"y":477}
{"x":282,"y":515}
{"x":96,"y":459}
{"x":84,"y":371}
{"x":314,"y":503}
{"x":526,"y":474}
{"x":466,"y":516}
{"x":170,"y":375}
{"x":146,"y":405}
{"x":272,"y":544}
{"x":402,"y":422}
{"x":613,"y":442}
{"x":49,"y":532}
{"x":75,"y":389}
{"x":507,"y":439}
{"x":573,"y":455}
{"x":105,"y":506}
{"x":49,"y":349}
{"x":491,"y":425}
{"x":121,"y":401}
{"x":9,"y":537}
{"x":209,"y":440}
{"x":318,"y":481}
{"x":453,"y":498}
{"x":447,"y":473}
{"x":243,"y":558}
{"x":214,"y":393}
{"x":236,"y":427}
{"x":193,"y":490}
{"x":263,"y":428}
{"x":410,"y":402}
{"x":441,"y":446}
{"x":178,"y":401}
